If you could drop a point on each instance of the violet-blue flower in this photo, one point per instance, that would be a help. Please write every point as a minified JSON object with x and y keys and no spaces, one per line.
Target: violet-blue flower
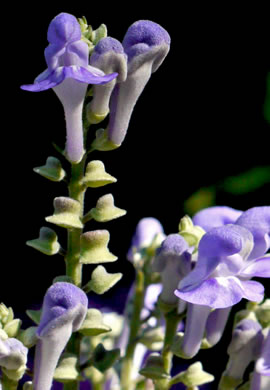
{"x":225,"y":264}
{"x":261,"y":375}
{"x":63,"y":311}
{"x":173,"y":262}
{"x":13,"y":354}
{"x":108,"y":56}
{"x":146,"y":230}
{"x":69,"y":74}
{"x":243,"y":349}
{"x":146,"y":44}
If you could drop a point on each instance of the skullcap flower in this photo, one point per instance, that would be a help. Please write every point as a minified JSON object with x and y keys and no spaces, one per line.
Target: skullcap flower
{"x":215,"y":216}
{"x":146,"y":230}
{"x":69,"y":74}
{"x":146,"y":44}
{"x":63,"y":311}
{"x":173,"y":262}
{"x":225,"y":265}
{"x":13,"y":354}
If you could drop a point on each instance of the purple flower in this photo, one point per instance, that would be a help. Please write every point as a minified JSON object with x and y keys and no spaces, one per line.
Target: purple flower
{"x":228,"y":256}
{"x":146,"y":230}
{"x":243,"y":349}
{"x":109,"y":56}
{"x":173,"y":262}
{"x":13,"y":354}
{"x":63,"y":311}
{"x":69,"y":74}
{"x":263,"y":363}
{"x":146,"y":44}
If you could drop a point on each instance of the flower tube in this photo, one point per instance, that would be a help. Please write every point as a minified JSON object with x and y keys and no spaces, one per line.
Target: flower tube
{"x":69,"y":74}
{"x":261,"y":376}
{"x":146,"y":44}
{"x":108,"y":56}
{"x":63,"y":311}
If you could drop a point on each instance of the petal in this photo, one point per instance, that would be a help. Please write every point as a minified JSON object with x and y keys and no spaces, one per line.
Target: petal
{"x":222,"y":292}
{"x":257,"y":221}
{"x":259,"y":268}
{"x":216,"y":216}
{"x":90,"y":75}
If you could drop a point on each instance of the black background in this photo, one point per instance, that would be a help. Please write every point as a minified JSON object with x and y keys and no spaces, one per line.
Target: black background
{"x":198,"y":121}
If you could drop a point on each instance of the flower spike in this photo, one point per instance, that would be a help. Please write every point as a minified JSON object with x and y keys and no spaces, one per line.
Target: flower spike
{"x":63,"y":312}
{"x":146,"y":44}
{"x":69,"y":73}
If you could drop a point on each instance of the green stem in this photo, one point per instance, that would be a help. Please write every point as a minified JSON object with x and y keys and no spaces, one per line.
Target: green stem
{"x":8,"y":384}
{"x":134,"y":329}
{"x":77,"y":192}
{"x":172,"y":319}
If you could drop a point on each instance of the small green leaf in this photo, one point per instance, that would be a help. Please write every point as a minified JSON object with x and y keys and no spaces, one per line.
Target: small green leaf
{"x":35,"y":315}
{"x":103,"y":359}
{"x":93,"y":324}
{"x":101,"y":281}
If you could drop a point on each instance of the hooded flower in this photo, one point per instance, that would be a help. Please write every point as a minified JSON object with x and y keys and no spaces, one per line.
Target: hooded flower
{"x":69,"y":74}
{"x":146,"y":44}
{"x":228,"y":257}
{"x":63,"y":311}
{"x":146,"y":231}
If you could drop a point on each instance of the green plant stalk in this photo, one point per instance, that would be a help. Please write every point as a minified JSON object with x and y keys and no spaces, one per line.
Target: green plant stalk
{"x":172,"y":320}
{"x":135,"y":323}
{"x":73,"y":266}
{"x":8,"y":384}
{"x":76,"y":191}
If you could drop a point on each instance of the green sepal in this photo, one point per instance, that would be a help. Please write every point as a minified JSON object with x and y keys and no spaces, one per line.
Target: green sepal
{"x":244,"y":314}
{"x":96,"y":176}
{"x":154,"y":368}
{"x":52,"y":170}
{"x":35,"y":315}
{"x":153,"y":338}
{"x":102,"y":142}
{"x":94,"y":247}
{"x":28,"y":385}
{"x":262,"y":312}
{"x":66,"y":213}
{"x":101,"y":280}
{"x":47,"y":242}
{"x":63,"y":278}
{"x":14,"y":375}
{"x":99,"y":33}
{"x":66,"y":370}
{"x":193,"y":376}
{"x":191,"y":233}
{"x":93,"y":324}
{"x":105,"y":209}
{"x":6,"y":314}
{"x":12,"y":328}
{"x":94,"y":118}
{"x":28,"y":336}
{"x":176,"y":347}
{"x":103,"y":359}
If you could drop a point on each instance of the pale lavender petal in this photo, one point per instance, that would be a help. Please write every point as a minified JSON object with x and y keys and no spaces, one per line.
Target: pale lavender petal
{"x":221,"y":292}
{"x":215,"y":325}
{"x":257,"y":221}
{"x":216,"y":216}
{"x":63,"y":311}
{"x":13,"y":354}
{"x":194,"y":329}
{"x":258,"y":268}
